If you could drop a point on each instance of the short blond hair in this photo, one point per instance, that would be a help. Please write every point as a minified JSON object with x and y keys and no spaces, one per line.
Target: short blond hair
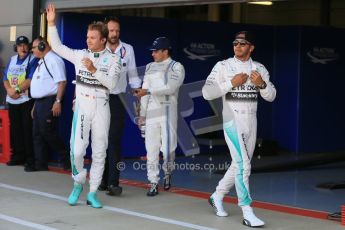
{"x":100,"y":27}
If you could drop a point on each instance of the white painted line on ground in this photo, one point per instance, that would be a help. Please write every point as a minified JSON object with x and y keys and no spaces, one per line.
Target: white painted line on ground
{"x":25,"y":223}
{"x":33,"y":192}
{"x":157,"y":218}
{"x":113,"y":209}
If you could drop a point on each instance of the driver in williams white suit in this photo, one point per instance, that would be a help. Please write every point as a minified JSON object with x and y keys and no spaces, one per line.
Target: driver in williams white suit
{"x":159,"y":97}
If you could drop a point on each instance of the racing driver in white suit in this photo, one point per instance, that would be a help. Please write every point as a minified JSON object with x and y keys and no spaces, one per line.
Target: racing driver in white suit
{"x":239,"y":81}
{"x":97,"y":72}
{"x":159,"y":97}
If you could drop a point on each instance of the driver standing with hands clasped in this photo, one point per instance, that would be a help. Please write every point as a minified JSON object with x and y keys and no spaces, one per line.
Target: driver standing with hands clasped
{"x":239,"y":81}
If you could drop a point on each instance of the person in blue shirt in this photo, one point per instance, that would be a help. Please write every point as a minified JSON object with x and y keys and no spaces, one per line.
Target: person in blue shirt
{"x":17,"y":82}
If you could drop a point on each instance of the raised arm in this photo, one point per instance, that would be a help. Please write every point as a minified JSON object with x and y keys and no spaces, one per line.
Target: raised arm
{"x":55,"y":42}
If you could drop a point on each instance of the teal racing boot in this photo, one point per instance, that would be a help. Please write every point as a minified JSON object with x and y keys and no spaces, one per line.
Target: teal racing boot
{"x":93,"y":201}
{"x":74,"y":196}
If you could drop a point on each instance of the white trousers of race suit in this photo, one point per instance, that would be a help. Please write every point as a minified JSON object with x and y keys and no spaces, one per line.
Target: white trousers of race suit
{"x":240,"y":136}
{"x":161,"y":136}
{"x":90,"y":113}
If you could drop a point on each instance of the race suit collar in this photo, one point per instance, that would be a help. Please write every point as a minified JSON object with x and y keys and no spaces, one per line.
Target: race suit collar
{"x":243,"y":62}
{"x":168,"y":60}
{"x":98,"y":54}
{"x":248,"y":62}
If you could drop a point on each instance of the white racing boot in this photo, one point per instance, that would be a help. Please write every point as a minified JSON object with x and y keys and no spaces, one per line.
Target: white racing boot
{"x":217,"y":203}
{"x":249,"y":218}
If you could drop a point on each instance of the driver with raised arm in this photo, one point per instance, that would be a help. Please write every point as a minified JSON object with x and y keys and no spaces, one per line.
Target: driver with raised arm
{"x":97,"y":72}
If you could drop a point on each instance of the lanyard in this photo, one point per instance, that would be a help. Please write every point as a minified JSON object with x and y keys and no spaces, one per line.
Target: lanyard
{"x":122,"y":52}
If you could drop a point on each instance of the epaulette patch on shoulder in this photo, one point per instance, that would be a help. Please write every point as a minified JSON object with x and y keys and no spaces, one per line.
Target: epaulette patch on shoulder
{"x":148,"y":66}
{"x":173,"y":65}
{"x":258,"y":64}
{"x":223,"y":62}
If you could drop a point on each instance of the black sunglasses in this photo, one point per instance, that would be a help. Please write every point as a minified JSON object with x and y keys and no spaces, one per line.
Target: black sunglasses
{"x":242,"y":43}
